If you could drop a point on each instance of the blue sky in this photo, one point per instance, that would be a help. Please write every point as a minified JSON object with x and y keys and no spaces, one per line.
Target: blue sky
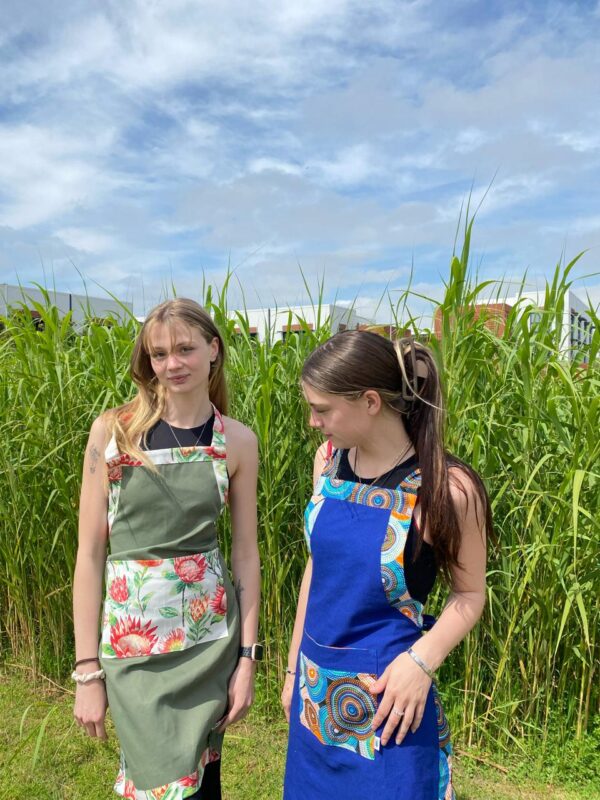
{"x":144,"y":143}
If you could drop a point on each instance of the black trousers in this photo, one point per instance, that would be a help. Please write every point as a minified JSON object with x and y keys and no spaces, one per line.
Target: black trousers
{"x":210,"y":788}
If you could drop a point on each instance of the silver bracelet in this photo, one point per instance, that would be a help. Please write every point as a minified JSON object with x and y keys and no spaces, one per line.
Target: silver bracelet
{"x":418,"y":660}
{"x":84,"y":677}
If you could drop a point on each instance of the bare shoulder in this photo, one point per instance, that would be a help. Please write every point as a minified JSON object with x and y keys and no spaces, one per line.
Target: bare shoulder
{"x":102,"y":427}
{"x":321,"y":455}
{"x":238,"y":434}
{"x":320,"y":460}
{"x":467,"y":491}
{"x":242,"y":447}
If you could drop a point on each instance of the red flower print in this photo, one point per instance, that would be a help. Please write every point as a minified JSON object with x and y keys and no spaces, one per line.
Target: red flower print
{"x":198,"y":607}
{"x":190,"y":569}
{"x":186,"y":452}
{"x":208,"y":756}
{"x":214,"y":453}
{"x":130,"y":638}
{"x":115,"y":472}
{"x":152,"y":562}
{"x":189,"y":780}
{"x":128,"y":461}
{"x":174,"y":641}
{"x":219,"y":601}
{"x":118,"y":590}
{"x":114,"y":466}
{"x":129,"y":790}
{"x":159,"y":793}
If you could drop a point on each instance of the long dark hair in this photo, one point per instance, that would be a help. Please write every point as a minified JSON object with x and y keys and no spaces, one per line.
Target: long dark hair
{"x":404,"y":374}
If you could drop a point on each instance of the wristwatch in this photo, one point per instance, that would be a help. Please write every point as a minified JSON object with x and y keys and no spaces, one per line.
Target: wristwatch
{"x":254,"y":652}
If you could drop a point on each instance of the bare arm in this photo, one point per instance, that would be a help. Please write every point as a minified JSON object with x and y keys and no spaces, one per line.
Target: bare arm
{"x":404,"y":683}
{"x":467,"y":597}
{"x":90,"y":699}
{"x":286,"y":694}
{"x":245,"y":564}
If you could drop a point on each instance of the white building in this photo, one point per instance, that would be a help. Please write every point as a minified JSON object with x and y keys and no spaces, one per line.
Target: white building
{"x":82,"y":306}
{"x":294,"y":319}
{"x":577,"y":324}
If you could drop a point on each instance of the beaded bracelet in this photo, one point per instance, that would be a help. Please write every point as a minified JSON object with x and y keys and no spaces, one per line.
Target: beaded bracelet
{"x":418,"y":660}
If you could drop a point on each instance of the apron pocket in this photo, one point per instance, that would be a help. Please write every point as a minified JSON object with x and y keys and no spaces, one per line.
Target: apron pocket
{"x":336,"y":704}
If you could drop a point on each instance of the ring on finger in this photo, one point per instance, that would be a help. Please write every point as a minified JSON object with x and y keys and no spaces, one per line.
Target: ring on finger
{"x":397,"y":713}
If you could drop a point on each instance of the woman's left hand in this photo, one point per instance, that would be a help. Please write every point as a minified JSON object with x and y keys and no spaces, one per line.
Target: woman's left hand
{"x":405,"y":687}
{"x":240,"y":693}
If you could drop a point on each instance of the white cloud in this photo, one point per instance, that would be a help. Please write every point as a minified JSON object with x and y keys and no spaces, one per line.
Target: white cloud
{"x":142,"y":137}
{"x":88,"y":240}
{"x":45,"y":174}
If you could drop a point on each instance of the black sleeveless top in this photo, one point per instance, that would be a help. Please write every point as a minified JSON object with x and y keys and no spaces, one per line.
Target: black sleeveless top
{"x":419,"y":572}
{"x":161,"y":436}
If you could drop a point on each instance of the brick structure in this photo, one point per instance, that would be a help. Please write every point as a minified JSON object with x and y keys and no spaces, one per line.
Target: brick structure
{"x":495,"y":315}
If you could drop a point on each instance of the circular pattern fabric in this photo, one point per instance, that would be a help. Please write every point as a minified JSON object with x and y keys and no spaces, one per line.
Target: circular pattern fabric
{"x":316,"y":682}
{"x":442,"y":721}
{"x":331,"y":733}
{"x":389,"y":579}
{"x":312,"y":716}
{"x":393,"y":543}
{"x":373,"y":496}
{"x":351,"y":707}
{"x":338,"y":489}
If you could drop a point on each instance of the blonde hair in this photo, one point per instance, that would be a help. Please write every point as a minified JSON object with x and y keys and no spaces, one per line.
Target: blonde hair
{"x":131,"y":421}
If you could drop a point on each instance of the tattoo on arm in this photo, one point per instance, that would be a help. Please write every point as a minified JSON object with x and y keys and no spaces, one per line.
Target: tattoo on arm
{"x":94,"y":456}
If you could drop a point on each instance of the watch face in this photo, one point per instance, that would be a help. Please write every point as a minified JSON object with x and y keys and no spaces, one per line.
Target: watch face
{"x":257,"y":652}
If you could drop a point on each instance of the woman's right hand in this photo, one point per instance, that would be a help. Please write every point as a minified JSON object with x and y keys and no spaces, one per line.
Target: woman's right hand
{"x":90,"y":707}
{"x":286,"y":694}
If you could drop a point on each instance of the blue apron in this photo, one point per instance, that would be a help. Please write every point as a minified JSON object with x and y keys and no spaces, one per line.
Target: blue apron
{"x":359,"y":618}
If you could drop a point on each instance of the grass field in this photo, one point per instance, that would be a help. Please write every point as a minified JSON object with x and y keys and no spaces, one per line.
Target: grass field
{"x":44,"y":756}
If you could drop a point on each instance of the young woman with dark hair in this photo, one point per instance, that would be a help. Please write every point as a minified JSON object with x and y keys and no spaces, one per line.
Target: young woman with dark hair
{"x":391,"y":508}
{"x":175,"y":660}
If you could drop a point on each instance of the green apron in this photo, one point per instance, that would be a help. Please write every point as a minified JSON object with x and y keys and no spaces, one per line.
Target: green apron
{"x":170,"y":626}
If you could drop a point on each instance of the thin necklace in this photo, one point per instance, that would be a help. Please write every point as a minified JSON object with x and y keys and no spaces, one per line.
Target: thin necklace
{"x":197,"y":440}
{"x":384,"y":475}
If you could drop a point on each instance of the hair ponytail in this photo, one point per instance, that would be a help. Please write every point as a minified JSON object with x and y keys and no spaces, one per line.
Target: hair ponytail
{"x":406,"y":377}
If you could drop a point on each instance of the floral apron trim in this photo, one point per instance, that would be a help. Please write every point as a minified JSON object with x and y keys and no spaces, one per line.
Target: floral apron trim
{"x":176,"y":790}
{"x":160,"y":605}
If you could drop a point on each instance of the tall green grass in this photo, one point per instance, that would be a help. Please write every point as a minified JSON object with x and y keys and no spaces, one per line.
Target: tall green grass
{"x":525,"y":417}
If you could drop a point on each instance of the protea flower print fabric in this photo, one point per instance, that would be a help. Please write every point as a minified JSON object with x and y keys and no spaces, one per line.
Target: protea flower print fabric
{"x":160,"y":605}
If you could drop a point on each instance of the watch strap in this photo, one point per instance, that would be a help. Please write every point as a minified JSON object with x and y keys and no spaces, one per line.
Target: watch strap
{"x":253,"y":652}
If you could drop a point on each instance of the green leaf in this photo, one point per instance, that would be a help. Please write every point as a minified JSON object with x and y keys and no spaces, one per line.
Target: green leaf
{"x":107,"y":650}
{"x":168,"y":612}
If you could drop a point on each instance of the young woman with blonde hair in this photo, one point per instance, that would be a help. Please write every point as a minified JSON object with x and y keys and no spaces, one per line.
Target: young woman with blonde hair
{"x":390,"y":509}
{"x":178,"y":644}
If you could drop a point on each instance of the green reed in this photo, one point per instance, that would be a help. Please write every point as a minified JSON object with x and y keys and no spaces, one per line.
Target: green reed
{"x":522,"y":415}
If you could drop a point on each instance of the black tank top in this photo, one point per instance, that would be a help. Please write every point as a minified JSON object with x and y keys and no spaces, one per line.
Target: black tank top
{"x":161,"y":436}
{"x":419,"y":572}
